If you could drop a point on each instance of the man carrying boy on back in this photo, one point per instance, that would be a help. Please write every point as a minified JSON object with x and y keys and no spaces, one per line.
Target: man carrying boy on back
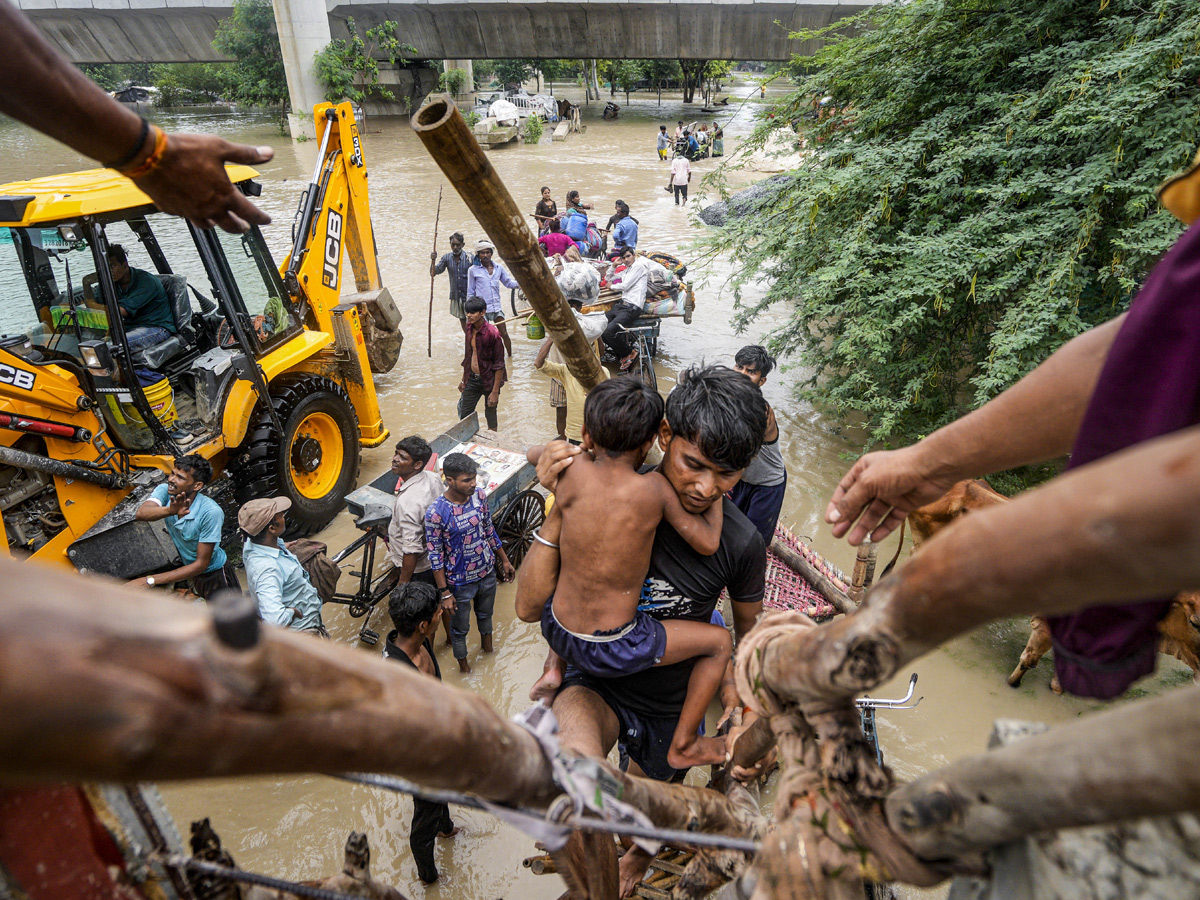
{"x":713,"y":427}
{"x":610,"y":514}
{"x":760,"y":492}
{"x":415,"y":613}
{"x":463,"y":548}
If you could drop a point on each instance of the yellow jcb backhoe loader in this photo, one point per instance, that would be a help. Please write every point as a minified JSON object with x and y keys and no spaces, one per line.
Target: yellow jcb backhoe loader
{"x":266,"y":372}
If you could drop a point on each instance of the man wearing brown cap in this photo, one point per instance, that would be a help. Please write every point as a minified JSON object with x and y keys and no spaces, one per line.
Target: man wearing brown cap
{"x":274,"y":576}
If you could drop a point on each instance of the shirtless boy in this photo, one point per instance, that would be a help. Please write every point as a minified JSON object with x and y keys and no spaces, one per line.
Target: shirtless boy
{"x":609,"y":516}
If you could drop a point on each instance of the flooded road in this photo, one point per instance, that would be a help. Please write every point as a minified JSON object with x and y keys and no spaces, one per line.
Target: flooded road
{"x":295,"y":828}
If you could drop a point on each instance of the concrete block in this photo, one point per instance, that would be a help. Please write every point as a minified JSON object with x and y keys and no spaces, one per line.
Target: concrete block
{"x":110,"y":4}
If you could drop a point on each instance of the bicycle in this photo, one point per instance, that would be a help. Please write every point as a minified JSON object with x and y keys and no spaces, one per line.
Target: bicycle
{"x":643,"y":366}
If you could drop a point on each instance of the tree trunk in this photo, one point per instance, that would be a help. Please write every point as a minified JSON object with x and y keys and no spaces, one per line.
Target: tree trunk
{"x":693,"y":71}
{"x":156,"y":690}
{"x":448,"y":139}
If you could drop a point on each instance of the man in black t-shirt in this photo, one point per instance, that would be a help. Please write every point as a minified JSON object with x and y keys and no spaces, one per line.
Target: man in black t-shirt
{"x":715,"y":420}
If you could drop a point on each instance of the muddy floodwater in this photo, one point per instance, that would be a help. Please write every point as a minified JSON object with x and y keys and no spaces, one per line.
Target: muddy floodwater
{"x":295,"y":827}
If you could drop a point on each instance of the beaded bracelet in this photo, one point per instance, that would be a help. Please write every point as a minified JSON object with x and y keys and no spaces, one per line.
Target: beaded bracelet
{"x":151,"y":162}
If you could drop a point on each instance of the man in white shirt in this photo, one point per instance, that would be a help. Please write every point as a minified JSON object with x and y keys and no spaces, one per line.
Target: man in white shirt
{"x":416,"y":489}
{"x":681,"y":176}
{"x":634,"y":282}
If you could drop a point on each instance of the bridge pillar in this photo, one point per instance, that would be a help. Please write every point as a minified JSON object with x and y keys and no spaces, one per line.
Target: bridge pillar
{"x":303,"y":27}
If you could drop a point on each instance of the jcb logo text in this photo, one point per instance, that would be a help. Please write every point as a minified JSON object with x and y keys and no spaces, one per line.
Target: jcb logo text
{"x":16,"y":377}
{"x":333,"y":250}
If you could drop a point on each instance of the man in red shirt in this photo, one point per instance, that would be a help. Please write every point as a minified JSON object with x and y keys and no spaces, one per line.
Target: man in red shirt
{"x":483,"y":363}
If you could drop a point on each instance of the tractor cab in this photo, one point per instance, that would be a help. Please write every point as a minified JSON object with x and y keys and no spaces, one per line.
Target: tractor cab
{"x":79,"y":290}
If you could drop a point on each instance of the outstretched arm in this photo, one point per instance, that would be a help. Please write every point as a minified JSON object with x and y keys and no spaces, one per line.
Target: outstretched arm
{"x":703,"y":531}
{"x":1034,"y":420}
{"x":1118,"y":529}
{"x":57,"y":99}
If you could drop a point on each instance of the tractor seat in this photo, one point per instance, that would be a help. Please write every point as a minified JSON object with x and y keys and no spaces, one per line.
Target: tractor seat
{"x":158,"y":355}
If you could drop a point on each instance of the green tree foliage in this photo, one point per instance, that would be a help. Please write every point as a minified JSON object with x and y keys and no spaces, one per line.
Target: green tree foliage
{"x":187,"y":83}
{"x":349,"y":70}
{"x":485,"y":71}
{"x":248,"y":38}
{"x":979,"y":190}
{"x":114,"y":76}
{"x":561,"y":69}
{"x":514,"y":72}
{"x":453,"y":81}
{"x":626,"y":73}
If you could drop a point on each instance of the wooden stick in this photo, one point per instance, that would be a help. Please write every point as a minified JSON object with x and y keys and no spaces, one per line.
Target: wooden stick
{"x":446,"y":136}
{"x":806,"y":570}
{"x":150,"y":691}
{"x":864,"y":571}
{"x":436,"y":220}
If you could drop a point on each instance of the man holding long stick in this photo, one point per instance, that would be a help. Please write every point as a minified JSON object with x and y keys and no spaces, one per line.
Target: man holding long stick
{"x":457,"y":262}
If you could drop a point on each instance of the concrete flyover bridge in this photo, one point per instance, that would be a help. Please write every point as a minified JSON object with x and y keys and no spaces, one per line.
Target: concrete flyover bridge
{"x":105,"y":31}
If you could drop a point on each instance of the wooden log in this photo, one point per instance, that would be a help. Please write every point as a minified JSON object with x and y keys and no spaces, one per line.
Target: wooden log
{"x":825,"y":587}
{"x":153,"y":690}
{"x":1132,"y":761}
{"x":445,"y":135}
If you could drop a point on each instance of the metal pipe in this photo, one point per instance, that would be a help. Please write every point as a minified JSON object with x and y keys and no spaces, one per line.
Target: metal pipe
{"x":23,"y":460}
{"x":32,"y":425}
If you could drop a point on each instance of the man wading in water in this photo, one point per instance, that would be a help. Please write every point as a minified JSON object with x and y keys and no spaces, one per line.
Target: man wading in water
{"x":715,"y":419}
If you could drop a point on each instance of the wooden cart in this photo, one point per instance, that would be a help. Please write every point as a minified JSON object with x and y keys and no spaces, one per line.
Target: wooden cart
{"x":518,"y":510}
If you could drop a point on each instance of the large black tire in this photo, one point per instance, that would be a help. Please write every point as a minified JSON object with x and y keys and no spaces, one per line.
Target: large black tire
{"x":314,"y":462}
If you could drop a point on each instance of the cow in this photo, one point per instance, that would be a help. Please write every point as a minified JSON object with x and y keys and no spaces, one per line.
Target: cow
{"x":928,"y":520}
{"x":1179,"y":629}
{"x":1179,"y":636}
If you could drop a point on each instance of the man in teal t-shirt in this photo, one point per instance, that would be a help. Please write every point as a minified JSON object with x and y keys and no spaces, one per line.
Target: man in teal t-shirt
{"x":194,"y":523}
{"x":142,"y":299}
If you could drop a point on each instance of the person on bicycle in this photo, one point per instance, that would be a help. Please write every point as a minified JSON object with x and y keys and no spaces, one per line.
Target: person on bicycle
{"x":633,"y":284}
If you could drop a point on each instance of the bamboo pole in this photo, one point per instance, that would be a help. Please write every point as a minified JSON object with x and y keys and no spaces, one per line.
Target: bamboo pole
{"x":436,"y":221}
{"x":100,"y":682}
{"x":449,"y":141}
{"x":819,"y":580}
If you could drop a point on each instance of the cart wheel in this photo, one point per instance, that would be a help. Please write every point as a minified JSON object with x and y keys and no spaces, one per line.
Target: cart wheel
{"x":521,"y":518}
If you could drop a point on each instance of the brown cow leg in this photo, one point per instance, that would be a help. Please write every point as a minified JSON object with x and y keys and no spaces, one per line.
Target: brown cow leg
{"x":1035,"y":648}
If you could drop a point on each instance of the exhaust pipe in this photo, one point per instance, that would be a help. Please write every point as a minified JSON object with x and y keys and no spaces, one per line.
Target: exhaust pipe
{"x":23,"y":460}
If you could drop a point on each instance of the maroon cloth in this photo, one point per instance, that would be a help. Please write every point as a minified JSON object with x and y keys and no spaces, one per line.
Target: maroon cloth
{"x":1149,"y":387}
{"x":490,"y":348}
{"x":556,"y":242}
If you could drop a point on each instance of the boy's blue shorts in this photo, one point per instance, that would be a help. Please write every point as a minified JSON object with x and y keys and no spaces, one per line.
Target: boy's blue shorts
{"x":608,"y":654}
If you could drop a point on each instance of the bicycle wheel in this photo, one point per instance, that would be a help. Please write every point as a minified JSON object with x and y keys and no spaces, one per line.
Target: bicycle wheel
{"x":646,"y":368}
{"x":512,"y":299}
